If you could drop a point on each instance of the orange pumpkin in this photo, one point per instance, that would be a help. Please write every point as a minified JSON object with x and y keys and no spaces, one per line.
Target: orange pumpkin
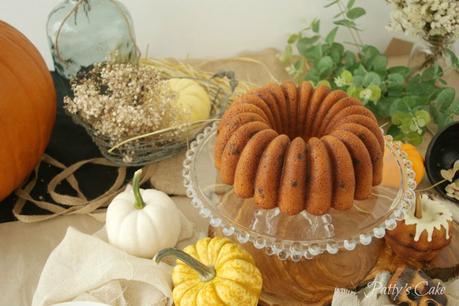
{"x":27,"y":108}
{"x":416,"y":159}
{"x":391,"y":172}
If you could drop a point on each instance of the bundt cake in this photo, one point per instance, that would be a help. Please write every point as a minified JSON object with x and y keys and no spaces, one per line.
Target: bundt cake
{"x":299,"y":148}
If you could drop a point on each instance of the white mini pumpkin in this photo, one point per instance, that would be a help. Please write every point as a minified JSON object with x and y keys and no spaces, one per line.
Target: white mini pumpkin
{"x":141,"y":222}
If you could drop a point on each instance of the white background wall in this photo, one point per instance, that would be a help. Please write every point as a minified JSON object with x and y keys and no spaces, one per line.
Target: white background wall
{"x":207,"y":28}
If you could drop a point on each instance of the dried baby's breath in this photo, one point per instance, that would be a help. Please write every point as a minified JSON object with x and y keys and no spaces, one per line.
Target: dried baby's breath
{"x":425,"y":18}
{"x":120,"y":101}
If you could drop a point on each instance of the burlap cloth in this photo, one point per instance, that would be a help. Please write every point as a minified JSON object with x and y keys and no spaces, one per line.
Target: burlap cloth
{"x":24,"y":248}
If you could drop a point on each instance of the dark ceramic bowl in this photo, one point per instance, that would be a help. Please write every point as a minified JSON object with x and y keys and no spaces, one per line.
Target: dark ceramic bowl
{"x":442,"y":152}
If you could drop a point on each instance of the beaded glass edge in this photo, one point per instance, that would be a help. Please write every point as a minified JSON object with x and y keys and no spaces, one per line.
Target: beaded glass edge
{"x":296,"y":251}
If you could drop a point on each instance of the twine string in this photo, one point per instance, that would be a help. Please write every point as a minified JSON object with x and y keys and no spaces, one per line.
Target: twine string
{"x":65,"y":204}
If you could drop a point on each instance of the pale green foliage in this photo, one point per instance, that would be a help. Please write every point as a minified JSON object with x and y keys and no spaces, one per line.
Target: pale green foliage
{"x":407,"y":101}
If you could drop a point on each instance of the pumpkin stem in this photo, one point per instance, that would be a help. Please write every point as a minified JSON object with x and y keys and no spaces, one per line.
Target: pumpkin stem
{"x":418,"y":206}
{"x":139,"y":203}
{"x":207,"y":273}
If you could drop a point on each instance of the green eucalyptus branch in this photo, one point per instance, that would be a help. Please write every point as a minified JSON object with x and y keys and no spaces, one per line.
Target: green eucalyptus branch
{"x":407,"y":100}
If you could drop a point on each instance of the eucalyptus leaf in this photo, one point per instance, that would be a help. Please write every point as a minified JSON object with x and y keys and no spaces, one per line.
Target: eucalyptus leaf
{"x":413,"y":138}
{"x":399,"y":117}
{"x":350,"y":4}
{"x":369,"y":52}
{"x":404,"y":71}
{"x":313,"y":53}
{"x":404,"y":104}
{"x":336,"y":51}
{"x":442,"y":81}
{"x":360,"y":70}
{"x":346,"y":23}
{"x":418,"y":87}
{"x":382,"y":108}
{"x":432,"y":73}
{"x":355,"y":12}
{"x":423,"y":117}
{"x":312,"y":75}
{"x":349,"y":59}
{"x":305,"y":44}
{"x":354,"y":91}
{"x":325,"y":64}
{"x":444,"y":107}
{"x":371,"y":78}
{"x":395,"y":80}
{"x":315,"y":25}
{"x":346,"y":75}
{"x":324,"y":83}
{"x":453,"y":58}
{"x":410,"y":100}
{"x":330,"y":38}
{"x":378,"y":62}
{"x":454,"y":107}
{"x":375,"y":92}
{"x":357,"y":80}
{"x":293,"y":38}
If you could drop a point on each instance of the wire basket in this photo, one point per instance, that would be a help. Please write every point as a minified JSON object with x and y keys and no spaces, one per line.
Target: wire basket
{"x":159,"y":145}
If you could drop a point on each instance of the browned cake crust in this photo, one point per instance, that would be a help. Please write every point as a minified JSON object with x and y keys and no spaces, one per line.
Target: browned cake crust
{"x":258,"y":102}
{"x":339,"y":106}
{"x":226,"y":131}
{"x":239,"y":108}
{"x":270,"y":100}
{"x":344,"y":177}
{"x":281,"y":102}
{"x":246,"y":169}
{"x":361,"y":160}
{"x":318,"y":187}
{"x":292,"y":187}
{"x":367,"y":122}
{"x":269,"y":172}
{"x":234,"y":147}
{"x":305,"y":92}
{"x":318,"y":96}
{"x":289,"y":89}
{"x":348,"y":111}
{"x":336,"y":155}
{"x":327,"y":103}
{"x":367,"y":137}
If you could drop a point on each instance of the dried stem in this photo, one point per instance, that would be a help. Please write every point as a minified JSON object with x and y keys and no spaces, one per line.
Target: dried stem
{"x":432,"y":186}
{"x":354,"y":34}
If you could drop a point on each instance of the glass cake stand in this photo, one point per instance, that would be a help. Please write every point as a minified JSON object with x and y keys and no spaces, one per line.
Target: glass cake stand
{"x":302,"y":236}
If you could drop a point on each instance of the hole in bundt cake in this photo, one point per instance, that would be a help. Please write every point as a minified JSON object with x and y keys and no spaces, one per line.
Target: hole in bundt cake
{"x":299,"y":147}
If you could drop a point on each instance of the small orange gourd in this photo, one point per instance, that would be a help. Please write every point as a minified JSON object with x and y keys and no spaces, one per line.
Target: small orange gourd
{"x":27,"y":108}
{"x":416,"y":159}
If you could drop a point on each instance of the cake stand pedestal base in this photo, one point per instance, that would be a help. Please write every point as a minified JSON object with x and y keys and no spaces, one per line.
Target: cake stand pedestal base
{"x":311,"y":281}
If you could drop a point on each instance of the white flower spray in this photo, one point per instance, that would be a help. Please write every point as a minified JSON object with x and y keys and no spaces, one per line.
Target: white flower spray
{"x":425,"y":19}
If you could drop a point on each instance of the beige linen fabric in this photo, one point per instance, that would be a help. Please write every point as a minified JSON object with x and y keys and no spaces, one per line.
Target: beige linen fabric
{"x":88,"y":268}
{"x":24,"y":249}
{"x":84,"y":267}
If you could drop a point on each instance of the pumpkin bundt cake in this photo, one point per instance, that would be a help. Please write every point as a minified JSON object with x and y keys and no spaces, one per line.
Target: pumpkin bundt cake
{"x":299,"y":148}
